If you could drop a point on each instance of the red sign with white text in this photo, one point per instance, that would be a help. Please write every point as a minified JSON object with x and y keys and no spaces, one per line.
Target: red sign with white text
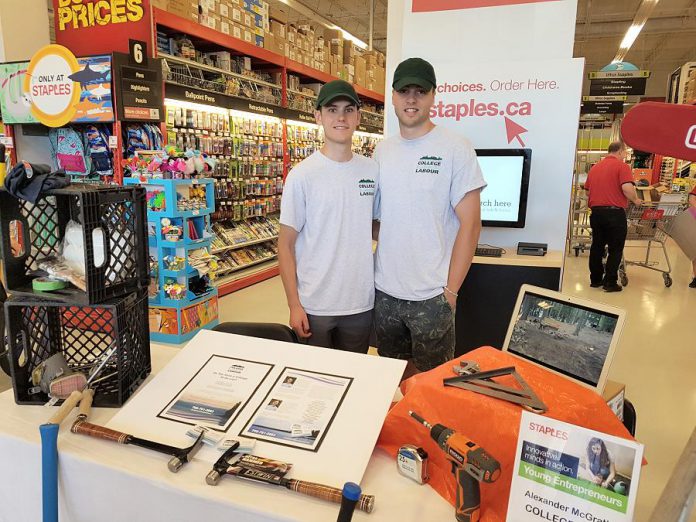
{"x":89,"y":27}
{"x":426,"y":6}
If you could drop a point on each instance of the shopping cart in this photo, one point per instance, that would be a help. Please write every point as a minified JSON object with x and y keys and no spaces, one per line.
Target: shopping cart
{"x":650,"y":224}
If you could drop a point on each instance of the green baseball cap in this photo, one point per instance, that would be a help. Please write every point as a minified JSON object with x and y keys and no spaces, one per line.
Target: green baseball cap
{"x":414,"y":71}
{"x":337,"y":89}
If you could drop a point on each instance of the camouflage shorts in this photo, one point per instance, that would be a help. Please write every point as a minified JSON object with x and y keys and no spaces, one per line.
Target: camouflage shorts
{"x":418,"y":330}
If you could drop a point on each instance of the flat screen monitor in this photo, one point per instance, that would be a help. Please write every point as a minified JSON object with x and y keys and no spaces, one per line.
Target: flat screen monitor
{"x":567,"y":335}
{"x":504,"y":201}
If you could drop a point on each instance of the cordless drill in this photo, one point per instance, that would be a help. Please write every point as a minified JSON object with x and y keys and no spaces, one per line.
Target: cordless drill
{"x":470,"y":465}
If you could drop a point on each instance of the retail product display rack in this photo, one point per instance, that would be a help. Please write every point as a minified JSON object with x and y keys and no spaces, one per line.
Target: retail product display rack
{"x":245,"y":106}
{"x":181,"y":296}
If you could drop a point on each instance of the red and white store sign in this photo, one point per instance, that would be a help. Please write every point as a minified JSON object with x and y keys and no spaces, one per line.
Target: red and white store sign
{"x":426,"y":6}
{"x":101,"y":26}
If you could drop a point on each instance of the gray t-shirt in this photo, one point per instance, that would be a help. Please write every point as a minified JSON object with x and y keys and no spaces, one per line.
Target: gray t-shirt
{"x":330,"y":205}
{"x":421,"y":181}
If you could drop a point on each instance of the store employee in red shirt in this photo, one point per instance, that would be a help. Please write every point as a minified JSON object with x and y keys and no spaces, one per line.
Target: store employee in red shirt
{"x":610,"y":186}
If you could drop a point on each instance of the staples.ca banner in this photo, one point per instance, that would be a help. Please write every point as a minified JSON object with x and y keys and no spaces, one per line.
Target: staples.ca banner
{"x":425,"y":6}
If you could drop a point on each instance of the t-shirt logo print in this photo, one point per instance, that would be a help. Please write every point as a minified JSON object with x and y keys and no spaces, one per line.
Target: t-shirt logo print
{"x":429,"y":165}
{"x":367,"y":187}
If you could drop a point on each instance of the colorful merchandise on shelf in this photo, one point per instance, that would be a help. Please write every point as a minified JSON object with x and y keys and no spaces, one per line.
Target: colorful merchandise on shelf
{"x":303,"y":141}
{"x":181,"y":264}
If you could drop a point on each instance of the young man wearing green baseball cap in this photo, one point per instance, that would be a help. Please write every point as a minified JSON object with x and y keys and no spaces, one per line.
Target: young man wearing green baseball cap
{"x":325,"y":242}
{"x":428,"y":208}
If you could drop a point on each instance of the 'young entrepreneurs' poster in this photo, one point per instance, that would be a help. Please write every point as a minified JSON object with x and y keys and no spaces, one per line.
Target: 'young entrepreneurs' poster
{"x":565,"y":472}
{"x":299,"y":409}
{"x":217,"y":393}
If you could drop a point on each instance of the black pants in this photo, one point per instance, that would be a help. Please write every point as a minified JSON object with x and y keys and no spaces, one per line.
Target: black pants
{"x":609,"y":229}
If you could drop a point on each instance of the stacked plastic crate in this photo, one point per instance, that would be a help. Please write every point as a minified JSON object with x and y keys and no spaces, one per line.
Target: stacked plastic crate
{"x":95,"y":317}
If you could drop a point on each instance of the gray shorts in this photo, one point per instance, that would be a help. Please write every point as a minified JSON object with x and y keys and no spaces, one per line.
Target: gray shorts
{"x":343,"y":332}
{"x":419,"y":330}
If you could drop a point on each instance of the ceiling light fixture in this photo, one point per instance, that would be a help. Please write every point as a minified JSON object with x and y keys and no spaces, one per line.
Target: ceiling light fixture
{"x":642,"y":14}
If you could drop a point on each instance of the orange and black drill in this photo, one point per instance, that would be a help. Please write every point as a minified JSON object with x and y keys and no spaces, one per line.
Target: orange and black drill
{"x":470,"y":465}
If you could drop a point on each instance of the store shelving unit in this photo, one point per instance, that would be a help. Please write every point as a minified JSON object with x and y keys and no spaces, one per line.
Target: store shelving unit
{"x":178,"y":214}
{"x":246,"y":195}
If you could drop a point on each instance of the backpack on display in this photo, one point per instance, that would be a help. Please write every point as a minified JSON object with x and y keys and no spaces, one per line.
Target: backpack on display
{"x":96,"y":139}
{"x":141,"y":136}
{"x":68,"y":151}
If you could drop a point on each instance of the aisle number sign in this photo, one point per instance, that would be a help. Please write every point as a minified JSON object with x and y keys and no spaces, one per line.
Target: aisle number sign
{"x":49,"y":88}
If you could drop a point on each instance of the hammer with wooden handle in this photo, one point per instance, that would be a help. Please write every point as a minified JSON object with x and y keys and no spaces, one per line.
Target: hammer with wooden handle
{"x":49,"y":457}
{"x":223,"y":466}
{"x":180,"y":456}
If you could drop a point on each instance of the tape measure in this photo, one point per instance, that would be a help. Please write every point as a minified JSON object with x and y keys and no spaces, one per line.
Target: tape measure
{"x":48,"y":284}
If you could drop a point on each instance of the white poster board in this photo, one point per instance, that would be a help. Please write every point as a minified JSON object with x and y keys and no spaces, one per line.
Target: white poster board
{"x":567,"y":472}
{"x":228,"y":382}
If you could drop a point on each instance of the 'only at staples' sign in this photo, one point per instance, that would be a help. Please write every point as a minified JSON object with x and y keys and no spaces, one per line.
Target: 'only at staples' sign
{"x":424,"y":6}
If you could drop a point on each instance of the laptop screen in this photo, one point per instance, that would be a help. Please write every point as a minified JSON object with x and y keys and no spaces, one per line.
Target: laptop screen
{"x":565,"y":336}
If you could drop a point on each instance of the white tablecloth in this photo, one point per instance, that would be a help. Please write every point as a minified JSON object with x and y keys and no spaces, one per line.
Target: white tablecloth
{"x":101,"y":481}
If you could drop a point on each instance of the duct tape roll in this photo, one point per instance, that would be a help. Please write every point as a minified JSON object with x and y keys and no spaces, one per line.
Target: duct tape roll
{"x":48,"y":284}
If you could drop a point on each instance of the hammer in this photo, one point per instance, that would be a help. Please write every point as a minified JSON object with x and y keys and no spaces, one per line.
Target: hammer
{"x":180,"y":456}
{"x":224,"y":467}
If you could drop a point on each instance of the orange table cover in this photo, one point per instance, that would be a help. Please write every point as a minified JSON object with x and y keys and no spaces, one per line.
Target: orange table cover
{"x":491,"y":423}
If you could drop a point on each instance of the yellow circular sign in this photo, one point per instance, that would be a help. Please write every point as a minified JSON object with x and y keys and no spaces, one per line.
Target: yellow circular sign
{"x":53,"y":94}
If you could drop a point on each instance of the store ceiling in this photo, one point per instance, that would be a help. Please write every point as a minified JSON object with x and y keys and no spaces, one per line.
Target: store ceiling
{"x":667,"y":41}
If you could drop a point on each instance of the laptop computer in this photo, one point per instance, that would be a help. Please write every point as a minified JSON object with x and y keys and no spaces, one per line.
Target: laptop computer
{"x":566,"y":335}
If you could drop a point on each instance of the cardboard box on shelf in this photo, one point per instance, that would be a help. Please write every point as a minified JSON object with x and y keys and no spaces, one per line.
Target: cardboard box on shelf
{"x":247,"y":35}
{"x":224,"y":9}
{"x":350,"y":51}
{"x":307,"y":60}
{"x":236,"y":15}
{"x":279,"y":29}
{"x":247,"y":20}
{"x":360,"y":71}
{"x":259,"y":40}
{"x":334,"y":69}
{"x":269,"y":42}
{"x":274,"y":44}
{"x":333,"y":34}
{"x":292,"y":35}
{"x":221,"y":59}
{"x":185,"y":8}
{"x":237,"y":31}
{"x":210,"y":21}
{"x":278,"y":14}
{"x":159,"y":4}
{"x":226,"y":27}
{"x":292,"y":54}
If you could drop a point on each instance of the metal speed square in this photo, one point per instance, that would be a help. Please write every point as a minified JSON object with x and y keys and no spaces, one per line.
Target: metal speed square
{"x":469,"y":378}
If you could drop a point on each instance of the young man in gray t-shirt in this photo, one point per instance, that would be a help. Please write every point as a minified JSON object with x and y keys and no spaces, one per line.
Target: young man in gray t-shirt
{"x":325,"y":242}
{"x":428,"y":208}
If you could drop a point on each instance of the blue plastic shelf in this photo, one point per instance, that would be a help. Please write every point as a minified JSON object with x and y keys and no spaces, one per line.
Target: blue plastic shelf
{"x":169,"y":187}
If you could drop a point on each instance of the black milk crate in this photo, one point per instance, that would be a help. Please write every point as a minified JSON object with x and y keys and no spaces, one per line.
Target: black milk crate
{"x":83,"y":333}
{"x":32,"y":233}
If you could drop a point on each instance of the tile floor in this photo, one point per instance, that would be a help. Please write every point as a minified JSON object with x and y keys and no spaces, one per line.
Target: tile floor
{"x":655,"y":358}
